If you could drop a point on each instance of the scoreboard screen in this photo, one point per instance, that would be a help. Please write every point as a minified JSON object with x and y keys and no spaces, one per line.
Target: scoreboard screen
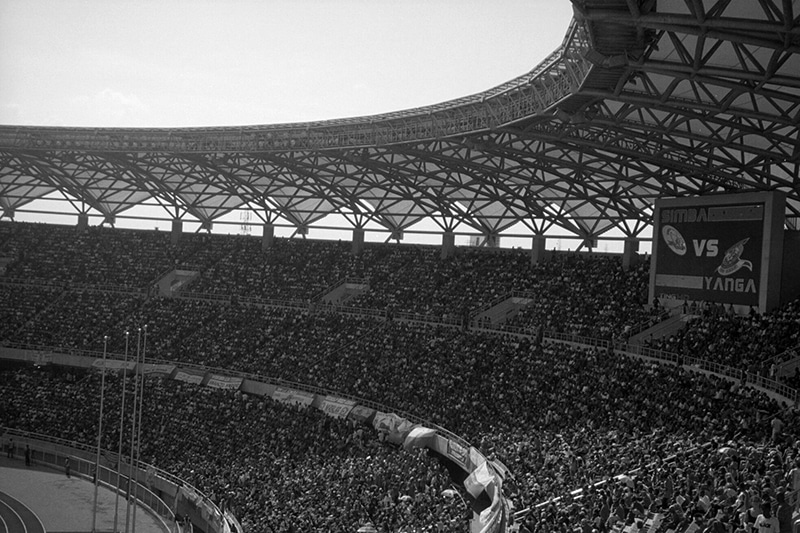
{"x":713,"y":249}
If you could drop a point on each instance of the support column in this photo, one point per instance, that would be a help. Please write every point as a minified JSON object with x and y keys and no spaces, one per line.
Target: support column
{"x":448,"y":244}
{"x":492,"y":240}
{"x":177,"y":230}
{"x":267,"y":236}
{"x":358,"y":241}
{"x":538,"y":249}
{"x":630,"y":255}
{"x":83,"y":221}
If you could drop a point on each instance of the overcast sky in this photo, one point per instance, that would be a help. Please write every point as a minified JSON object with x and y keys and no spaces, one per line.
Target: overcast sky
{"x":170,"y":63}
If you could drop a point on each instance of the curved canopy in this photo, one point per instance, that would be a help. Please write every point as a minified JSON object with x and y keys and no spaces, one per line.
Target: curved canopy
{"x":644,"y":99}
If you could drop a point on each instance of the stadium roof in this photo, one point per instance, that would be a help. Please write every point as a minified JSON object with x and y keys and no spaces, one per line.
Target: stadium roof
{"x":644,"y":99}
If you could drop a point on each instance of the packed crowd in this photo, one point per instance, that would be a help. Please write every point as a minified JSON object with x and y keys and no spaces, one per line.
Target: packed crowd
{"x":278,"y":468}
{"x":684,"y":443}
{"x":93,"y":256}
{"x":19,"y":305}
{"x":589,"y":297}
{"x":401,"y":278}
{"x":560,"y":418}
{"x":290,"y":270}
{"x":753,"y":342}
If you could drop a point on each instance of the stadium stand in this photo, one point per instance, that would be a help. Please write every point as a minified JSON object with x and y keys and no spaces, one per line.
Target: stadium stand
{"x":275,"y":466}
{"x":592,"y":440}
{"x":646,"y":105}
{"x":758,"y":343}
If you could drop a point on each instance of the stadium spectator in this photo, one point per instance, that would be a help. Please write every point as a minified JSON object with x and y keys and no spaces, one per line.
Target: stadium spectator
{"x":631,"y":439}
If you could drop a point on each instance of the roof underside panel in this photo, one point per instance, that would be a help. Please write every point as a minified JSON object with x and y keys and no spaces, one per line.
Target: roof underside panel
{"x":643,"y":100}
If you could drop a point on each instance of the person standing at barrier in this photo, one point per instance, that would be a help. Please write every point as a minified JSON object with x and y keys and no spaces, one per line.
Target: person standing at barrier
{"x":66,"y":466}
{"x":777,"y":428}
{"x":783,"y":513}
{"x":793,"y":478}
{"x":27,"y":455}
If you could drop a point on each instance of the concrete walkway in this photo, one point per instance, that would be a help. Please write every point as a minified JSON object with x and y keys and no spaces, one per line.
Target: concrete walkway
{"x":64,"y":505}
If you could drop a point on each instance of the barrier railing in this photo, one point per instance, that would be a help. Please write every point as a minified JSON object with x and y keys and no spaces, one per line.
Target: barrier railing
{"x":253,"y":377}
{"x":789,"y":393}
{"x":499,"y":299}
{"x":32,"y":282}
{"x":338,"y":283}
{"x":349,"y":310}
{"x":786,"y":359}
{"x":67,"y":285}
{"x":457,"y":439}
{"x":54,"y":451}
{"x":201,"y":296}
{"x":116,"y":289}
{"x":446,"y":320}
{"x":577,"y":494}
{"x":648,"y":323}
{"x":762,"y":382}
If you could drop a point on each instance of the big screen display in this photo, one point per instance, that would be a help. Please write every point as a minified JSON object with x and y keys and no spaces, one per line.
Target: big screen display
{"x":710,"y":253}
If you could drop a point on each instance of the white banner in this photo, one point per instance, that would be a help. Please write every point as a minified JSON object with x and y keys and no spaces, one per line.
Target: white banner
{"x":391,"y":423}
{"x":224,"y":382}
{"x":186,"y":377}
{"x":40,"y":358}
{"x":293,"y":396}
{"x":150,"y":368}
{"x":337,"y":407}
{"x":457,"y":453}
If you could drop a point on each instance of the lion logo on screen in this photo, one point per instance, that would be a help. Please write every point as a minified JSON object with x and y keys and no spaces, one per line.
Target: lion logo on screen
{"x":674,"y":240}
{"x":732,"y":261}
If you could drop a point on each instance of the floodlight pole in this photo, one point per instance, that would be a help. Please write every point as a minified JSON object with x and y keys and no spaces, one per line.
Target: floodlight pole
{"x":121,"y":425}
{"x":99,"y":434}
{"x":139,"y":427}
{"x":133,"y":429}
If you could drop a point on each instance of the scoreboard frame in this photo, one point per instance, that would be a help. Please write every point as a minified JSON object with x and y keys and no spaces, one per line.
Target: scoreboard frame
{"x":725,"y":249}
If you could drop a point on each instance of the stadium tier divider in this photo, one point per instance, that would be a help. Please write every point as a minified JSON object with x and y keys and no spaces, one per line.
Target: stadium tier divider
{"x":481,"y":478}
{"x":337,"y":404}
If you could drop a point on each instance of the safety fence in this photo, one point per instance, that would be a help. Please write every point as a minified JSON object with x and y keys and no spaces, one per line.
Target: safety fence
{"x":78,"y":459}
{"x":217,"y":377}
{"x":396,"y":424}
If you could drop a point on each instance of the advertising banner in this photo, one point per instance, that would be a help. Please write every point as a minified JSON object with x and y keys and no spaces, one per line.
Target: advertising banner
{"x":337,"y":407}
{"x":186,"y":377}
{"x":40,"y":358}
{"x":361,"y":413}
{"x":292,"y":396}
{"x":457,"y":453}
{"x":224,"y":382}
{"x":150,"y":368}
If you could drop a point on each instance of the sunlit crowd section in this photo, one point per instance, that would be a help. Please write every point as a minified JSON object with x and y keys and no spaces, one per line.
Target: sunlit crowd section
{"x":593,"y":440}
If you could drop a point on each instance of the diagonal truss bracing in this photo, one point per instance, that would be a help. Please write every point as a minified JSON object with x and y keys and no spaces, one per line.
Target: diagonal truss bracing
{"x":643,"y":100}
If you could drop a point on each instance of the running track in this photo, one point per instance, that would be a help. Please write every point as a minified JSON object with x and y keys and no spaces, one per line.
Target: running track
{"x":15,"y":517}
